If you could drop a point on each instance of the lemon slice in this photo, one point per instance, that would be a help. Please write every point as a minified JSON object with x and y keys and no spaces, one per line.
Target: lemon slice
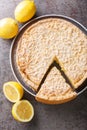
{"x":13,"y":91}
{"x":23,"y":111}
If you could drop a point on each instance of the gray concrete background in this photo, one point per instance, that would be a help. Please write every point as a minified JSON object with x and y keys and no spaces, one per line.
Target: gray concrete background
{"x":69,"y":116}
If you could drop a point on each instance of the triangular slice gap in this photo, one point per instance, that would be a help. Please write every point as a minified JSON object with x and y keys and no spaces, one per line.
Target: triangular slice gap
{"x":55,"y":90}
{"x":58,"y":66}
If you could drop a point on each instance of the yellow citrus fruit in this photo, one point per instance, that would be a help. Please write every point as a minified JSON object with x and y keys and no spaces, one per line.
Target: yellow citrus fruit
{"x":8,"y":28}
{"x":25,"y":10}
{"x":13,"y":91}
{"x":23,"y":111}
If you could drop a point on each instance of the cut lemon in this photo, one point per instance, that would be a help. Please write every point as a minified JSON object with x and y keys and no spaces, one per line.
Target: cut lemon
{"x":23,"y":111}
{"x":13,"y":91}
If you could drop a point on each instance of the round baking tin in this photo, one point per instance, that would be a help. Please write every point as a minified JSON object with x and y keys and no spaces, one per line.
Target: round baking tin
{"x":14,"y":46}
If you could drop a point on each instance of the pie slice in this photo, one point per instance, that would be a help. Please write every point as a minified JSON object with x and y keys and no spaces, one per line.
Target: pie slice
{"x":55,"y":90}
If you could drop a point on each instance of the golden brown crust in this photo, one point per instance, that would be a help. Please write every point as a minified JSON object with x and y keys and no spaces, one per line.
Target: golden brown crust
{"x":60,"y":100}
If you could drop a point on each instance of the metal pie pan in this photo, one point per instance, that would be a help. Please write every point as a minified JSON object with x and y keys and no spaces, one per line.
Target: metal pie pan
{"x":14,"y":47}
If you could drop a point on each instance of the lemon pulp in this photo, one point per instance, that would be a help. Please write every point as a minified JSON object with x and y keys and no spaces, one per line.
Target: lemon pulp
{"x":23,"y":111}
{"x":13,"y":91}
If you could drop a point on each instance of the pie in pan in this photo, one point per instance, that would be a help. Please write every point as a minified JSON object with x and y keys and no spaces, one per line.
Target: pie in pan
{"x":48,"y":40}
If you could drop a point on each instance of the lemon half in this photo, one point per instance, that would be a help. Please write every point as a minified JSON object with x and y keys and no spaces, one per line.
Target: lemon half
{"x":23,"y":111}
{"x":13,"y":91}
{"x":25,"y":10}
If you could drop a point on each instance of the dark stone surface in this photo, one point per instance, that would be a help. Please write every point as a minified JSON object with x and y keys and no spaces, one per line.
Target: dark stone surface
{"x":68,"y":116}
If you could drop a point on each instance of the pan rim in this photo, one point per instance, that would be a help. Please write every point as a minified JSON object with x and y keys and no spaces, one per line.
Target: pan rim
{"x":73,"y":21}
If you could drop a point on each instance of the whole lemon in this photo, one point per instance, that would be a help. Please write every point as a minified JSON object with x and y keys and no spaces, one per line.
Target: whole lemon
{"x":8,"y":28}
{"x":25,"y":10}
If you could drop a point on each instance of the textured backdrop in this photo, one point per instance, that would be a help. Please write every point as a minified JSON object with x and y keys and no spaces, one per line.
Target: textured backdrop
{"x":69,"y":116}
